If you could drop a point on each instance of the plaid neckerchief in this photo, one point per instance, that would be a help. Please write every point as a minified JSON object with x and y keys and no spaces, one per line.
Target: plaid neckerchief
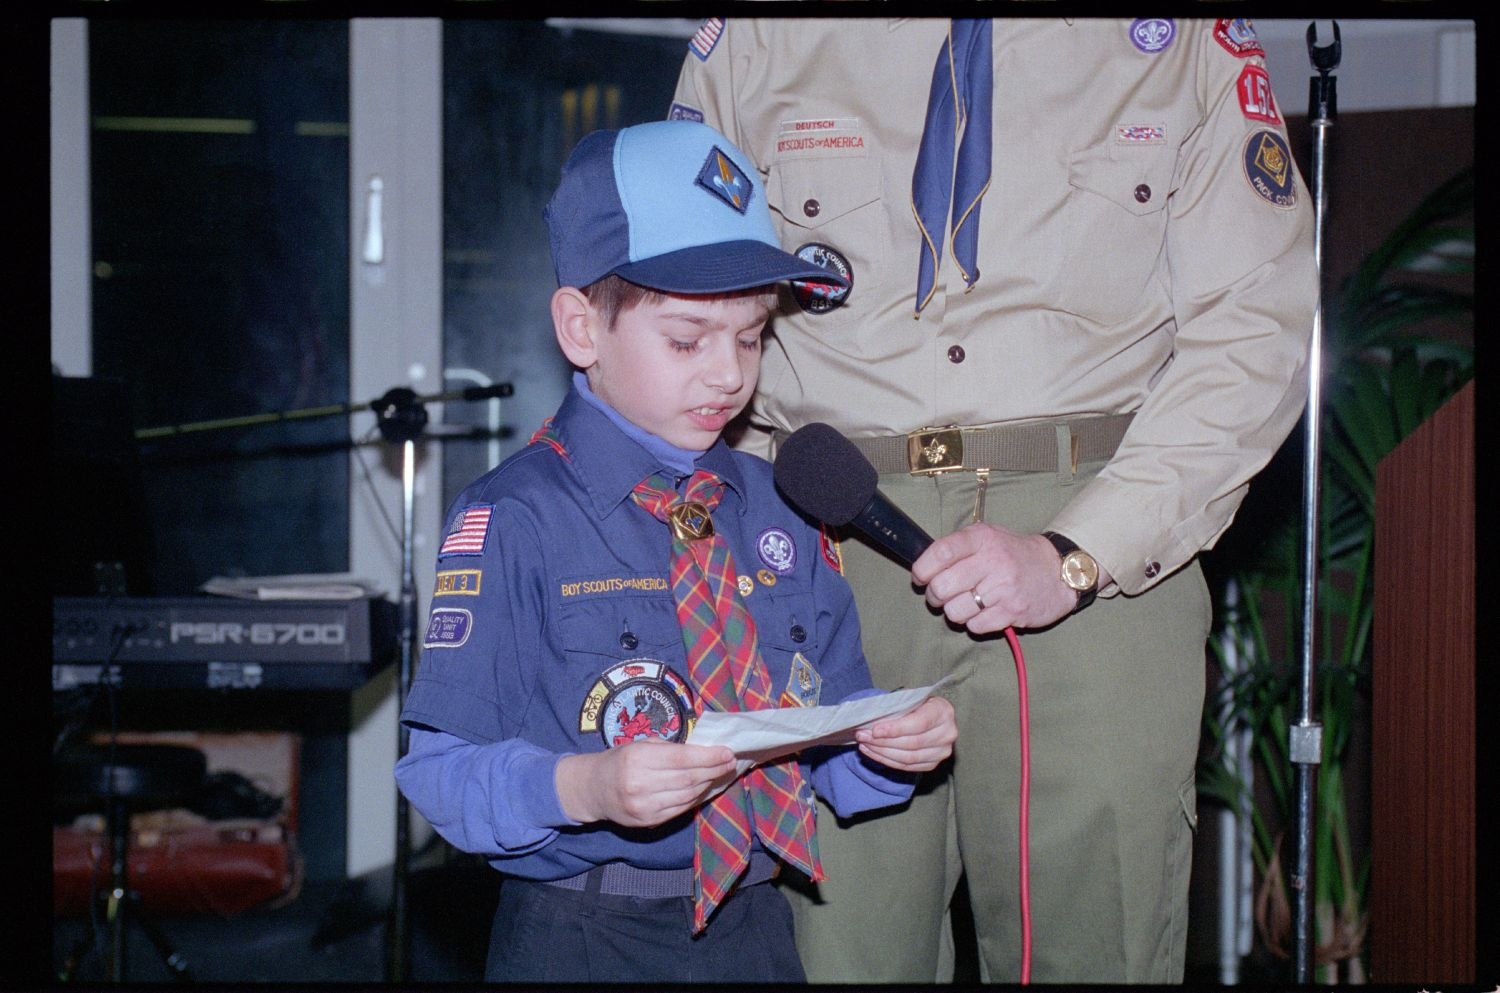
{"x":727,"y":672}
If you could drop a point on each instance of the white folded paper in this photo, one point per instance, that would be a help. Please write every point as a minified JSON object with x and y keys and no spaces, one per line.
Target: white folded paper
{"x":758,"y":736}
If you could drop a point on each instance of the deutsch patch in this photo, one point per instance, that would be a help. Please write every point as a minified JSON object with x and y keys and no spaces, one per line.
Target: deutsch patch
{"x":448,"y":627}
{"x":1236,"y":35}
{"x":745,"y":585}
{"x":776,"y":550}
{"x":468,"y":531}
{"x":1152,"y":34}
{"x":682,"y":112}
{"x":1268,"y":169}
{"x":706,"y":38}
{"x":803,"y":685}
{"x":819,"y":298}
{"x":721,"y":177}
{"x":636,"y":700}
{"x":1256,"y":101}
{"x":829,"y":546}
{"x":457,"y":582}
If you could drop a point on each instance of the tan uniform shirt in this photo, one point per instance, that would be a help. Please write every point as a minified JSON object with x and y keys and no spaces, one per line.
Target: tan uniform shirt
{"x":1145,"y":245}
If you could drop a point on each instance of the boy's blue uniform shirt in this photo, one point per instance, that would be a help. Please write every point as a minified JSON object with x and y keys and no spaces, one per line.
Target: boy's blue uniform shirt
{"x":534,"y":619}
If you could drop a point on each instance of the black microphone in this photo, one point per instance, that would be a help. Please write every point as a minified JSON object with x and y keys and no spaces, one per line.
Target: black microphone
{"x":826,"y":477}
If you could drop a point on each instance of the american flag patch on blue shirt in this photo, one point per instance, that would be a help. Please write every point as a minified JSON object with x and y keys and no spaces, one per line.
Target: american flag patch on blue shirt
{"x":467,"y":532}
{"x":707,"y":37}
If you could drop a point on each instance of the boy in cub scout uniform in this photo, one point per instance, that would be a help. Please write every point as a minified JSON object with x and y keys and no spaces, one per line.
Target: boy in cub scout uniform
{"x":1082,"y":286}
{"x":626,"y":572}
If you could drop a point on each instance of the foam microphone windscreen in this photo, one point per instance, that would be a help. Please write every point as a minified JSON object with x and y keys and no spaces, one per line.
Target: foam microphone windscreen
{"x":824,"y":475}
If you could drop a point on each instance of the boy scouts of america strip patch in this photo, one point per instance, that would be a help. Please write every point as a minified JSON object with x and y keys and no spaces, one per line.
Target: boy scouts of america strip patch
{"x":468,"y":531}
{"x":702,"y":44}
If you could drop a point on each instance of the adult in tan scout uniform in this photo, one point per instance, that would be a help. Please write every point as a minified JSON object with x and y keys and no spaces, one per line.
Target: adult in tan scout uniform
{"x":1122,"y":351}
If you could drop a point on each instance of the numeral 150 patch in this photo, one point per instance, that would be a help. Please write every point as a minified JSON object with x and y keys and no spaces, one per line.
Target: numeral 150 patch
{"x":1256,"y":101}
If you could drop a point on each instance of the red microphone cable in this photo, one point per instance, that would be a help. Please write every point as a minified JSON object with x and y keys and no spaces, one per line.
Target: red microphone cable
{"x":1025,"y":841}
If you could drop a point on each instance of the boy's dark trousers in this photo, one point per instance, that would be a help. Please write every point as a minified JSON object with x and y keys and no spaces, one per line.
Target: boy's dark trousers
{"x":544,"y":933}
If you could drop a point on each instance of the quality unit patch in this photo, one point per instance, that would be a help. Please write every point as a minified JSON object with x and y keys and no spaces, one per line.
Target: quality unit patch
{"x":468,"y":531}
{"x":1237,"y":37}
{"x":1268,"y":169}
{"x":636,"y":700}
{"x":448,"y":627}
{"x":682,"y":112}
{"x":775,"y":548}
{"x":457,"y":582}
{"x":1152,"y":34}
{"x":1256,"y":101}
{"x":820,"y":298}
{"x":721,"y":177}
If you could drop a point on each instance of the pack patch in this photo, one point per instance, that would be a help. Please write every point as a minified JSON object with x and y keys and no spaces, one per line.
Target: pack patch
{"x":829,"y":546}
{"x":636,"y":700}
{"x":1140,"y":134}
{"x":1256,"y":101}
{"x":1268,"y":169}
{"x":466,"y":535}
{"x":721,"y":177}
{"x":803,"y":685}
{"x":448,"y":627}
{"x":777,"y":550}
{"x":1152,"y":34}
{"x":1236,"y":36}
{"x":706,"y":38}
{"x":682,"y":112}
{"x":457,"y":582}
{"x":820,"y":298}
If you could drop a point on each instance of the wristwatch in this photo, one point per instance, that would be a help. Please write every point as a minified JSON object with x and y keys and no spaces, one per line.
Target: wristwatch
{"x":1079,"y":570}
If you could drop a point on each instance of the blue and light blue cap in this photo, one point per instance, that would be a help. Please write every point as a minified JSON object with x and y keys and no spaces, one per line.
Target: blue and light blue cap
{"x":672,"y":206}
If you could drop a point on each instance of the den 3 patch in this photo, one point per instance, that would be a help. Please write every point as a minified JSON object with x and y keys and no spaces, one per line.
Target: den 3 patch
{"x":638,"y":699}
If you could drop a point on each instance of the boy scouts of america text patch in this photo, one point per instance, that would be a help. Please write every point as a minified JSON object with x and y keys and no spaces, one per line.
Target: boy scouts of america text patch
{"x":636,"y":700}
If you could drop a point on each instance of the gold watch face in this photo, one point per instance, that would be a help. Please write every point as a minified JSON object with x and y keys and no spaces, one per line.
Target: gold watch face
{"x":1080,"y":571}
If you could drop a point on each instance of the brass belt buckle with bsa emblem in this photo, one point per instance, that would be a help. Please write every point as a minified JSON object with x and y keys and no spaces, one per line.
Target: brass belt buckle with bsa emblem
{"x":690,"y":521}
{"x":934,"y":450}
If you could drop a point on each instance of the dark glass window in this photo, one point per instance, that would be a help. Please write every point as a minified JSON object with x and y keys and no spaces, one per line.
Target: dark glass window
{"x":517,"y":96}
{"x":220,"y":162}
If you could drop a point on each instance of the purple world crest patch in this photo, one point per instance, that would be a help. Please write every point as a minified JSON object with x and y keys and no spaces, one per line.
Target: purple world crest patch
{"x":1152,"y":34}
{"x":775,"y":548}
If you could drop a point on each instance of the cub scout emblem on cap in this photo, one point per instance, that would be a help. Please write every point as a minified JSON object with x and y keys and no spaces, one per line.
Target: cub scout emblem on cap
{"x":721,"y":177}
{"x":775,"y":548}
{"x":1268,"y":169}
{"x":1152,"y":34}
{"x":636,"y":700}
{"x":803,"y":685}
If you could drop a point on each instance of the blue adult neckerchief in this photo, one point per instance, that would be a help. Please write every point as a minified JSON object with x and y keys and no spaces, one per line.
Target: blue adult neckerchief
{"x":958,"y":115}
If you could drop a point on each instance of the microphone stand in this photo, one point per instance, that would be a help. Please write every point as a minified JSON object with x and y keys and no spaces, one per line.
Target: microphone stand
{"x":401,"y":416}
{"x":1305,"y":736}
